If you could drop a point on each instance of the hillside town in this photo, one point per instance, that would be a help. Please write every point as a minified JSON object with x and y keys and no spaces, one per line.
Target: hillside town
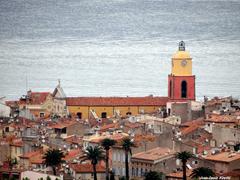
{"x":50,"y":135}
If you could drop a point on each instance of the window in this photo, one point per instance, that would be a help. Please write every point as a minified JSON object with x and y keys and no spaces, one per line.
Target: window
{"x":6,"y":129}
{"x":128,"y":113}
{"x":79,"y":115}
{"x":184,"y":89}
{"x":41,"y":114}
{"x":104,"y":115}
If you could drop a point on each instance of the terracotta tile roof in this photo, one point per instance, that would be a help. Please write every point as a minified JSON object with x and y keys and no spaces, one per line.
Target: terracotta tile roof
{"x":216,"y":118}
{"x":117,"y":137}
{"x":179,"y":175}
{"x":11,"y":103}
{"x":87,"y":168}
{"x":37,"y":159}
{"x":234,"y":173}
{"x":17,"y":143}
{"x":108,"y":126}
{"x":225,"y":157}
{"x":117,"y":101}
{"x":31,"y":154}
{"x":73,"y":154}
{"x":191,"y":126}
{"x":63,"y":124}
{"x":154,"y":154}
{"x":73,"y":139}
{"x":36,"y":98}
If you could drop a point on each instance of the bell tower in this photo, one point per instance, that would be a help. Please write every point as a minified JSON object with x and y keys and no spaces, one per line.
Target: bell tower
{"x":181,"y":82}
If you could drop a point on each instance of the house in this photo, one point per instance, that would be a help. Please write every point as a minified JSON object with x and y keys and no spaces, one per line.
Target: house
{"x":67,"y":127}
{"x":226,"y":135}
{"x":5,"y":110}
{"x":33,"y":159}
{"x":105,"y":107}
{"x":40,"y":104}
{"x":225,"y":161}
{"x":37,"y":175}
{"x":85,"y":171}
{"x":157,"y":159}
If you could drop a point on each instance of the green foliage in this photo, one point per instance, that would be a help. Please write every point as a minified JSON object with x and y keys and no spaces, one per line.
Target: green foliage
{"x":94,"y":154}
{"x":26,"y":178}
{"x":48,"y":178}
{"x":53,"y":157}
{"x":107,"y":143}
{"x":237,"y":147}
{"x":202,"y":172}
{"x":112,"y":176}
{"x":127,"y":144}
{"x":184,"y":156}
{"x":153,"y":175}
{"x":122,"y":178}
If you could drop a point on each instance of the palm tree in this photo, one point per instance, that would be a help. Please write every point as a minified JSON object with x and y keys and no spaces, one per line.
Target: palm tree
{"x":153,"y":175}
{"x":127,"y":144}
{"x":107,"y":144}
{"x":53,"y":158}
{"x":202,"y":172}
{"x":94,"y":154}
{"x":184,"y":156}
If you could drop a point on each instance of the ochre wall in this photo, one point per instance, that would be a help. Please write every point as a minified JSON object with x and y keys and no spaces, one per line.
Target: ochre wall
{"x":179,"y":70}
{"x":73,"y":110}
{"x":135,"y":110}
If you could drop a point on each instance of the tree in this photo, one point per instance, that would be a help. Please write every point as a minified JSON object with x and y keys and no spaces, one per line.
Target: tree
{"x":112,"y":175}
{"x":48,"y":178}
{"x":53,"y":158}
{"x":94,"y":154}
{"x":26,"y":178}
{"x":107,"y":144}
{"x":127,"y":144}
{"x":153,"y":175}
{"x":184,"y":156}
{"x":202,"y":172}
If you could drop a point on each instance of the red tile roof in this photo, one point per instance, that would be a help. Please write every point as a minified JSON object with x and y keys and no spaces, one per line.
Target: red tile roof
{"x":154,"y":154}
{"x":31,"y":154}
{"x":117,"y":101}
{"x":17,"y":143}
{"x":73,"y":154}
{"x":11,"y":103}
{"x":191,"y":126}
{"x":216,"y":118}
{"x":63,"y":124}
{"x":225,"y":157}
{"x":87,"y":168}
{"x":36,"y":98}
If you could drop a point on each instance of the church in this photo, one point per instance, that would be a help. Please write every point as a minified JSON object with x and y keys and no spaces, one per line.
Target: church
{"x":181,"y":88}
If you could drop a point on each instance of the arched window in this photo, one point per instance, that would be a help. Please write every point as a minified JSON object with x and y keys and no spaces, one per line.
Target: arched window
{"x":170,"y":89}
{"x":79,"y":115}
{"x":184,"y":89}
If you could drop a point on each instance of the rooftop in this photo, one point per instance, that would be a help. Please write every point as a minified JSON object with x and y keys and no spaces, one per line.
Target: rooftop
{"x":87,"y":168}
{"x":225,"y":157}
{"x":117,"y":101}
{"x":154,"y":154}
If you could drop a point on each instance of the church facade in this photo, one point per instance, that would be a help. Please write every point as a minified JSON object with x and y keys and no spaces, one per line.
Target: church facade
{"x":181,"y":87}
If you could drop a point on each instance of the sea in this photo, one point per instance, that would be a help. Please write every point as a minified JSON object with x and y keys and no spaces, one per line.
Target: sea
{"x":117,"y":47}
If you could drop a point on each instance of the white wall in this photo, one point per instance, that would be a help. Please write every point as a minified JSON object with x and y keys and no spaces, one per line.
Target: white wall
{"x":36,"y":175}
{"x":4,"y":110}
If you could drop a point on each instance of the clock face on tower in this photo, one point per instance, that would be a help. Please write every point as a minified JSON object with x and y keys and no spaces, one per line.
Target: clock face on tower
{"x":183,"y":63}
